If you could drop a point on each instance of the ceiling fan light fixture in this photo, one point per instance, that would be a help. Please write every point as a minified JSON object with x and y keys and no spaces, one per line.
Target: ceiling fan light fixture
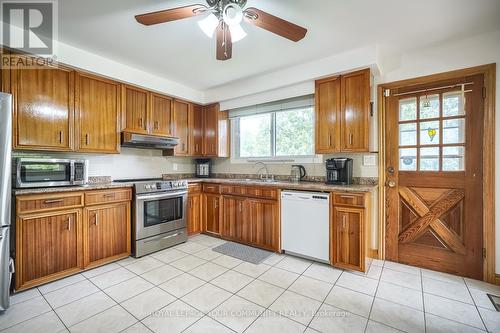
{"x":237,"y":33}
{"x":232,"y":14}
{"x":209,"y":24}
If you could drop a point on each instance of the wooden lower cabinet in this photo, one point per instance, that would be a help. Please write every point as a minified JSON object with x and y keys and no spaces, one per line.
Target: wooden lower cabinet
{"x":48,"y":247}
{"x":211,"y":213}
{"x":264,"y":223}
{"x":69,"y":237}
{"x":194,"y":214}
{"x":106,"y":233}
{"x":235,"y":223}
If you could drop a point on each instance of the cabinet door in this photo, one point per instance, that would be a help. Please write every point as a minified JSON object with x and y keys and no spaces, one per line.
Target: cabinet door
{"x":328,"y":106}
{"x":194,"y":214}
{"x":43,"y":108}
{"x":347,"y":239}
{"x":210,"y":131}
{"x":356,"y":111}
{"x":196,"y":130}
{"x":48,"y":246}
{"x":264,"y":221}
{"x":106,"y":233}
{"x":161,"y":115}
{"x":234,"y":224}
{"x":181,"y":127}
{"x":135,"y":110}
{"x":97,"y":112}
{"x":211,"y":211}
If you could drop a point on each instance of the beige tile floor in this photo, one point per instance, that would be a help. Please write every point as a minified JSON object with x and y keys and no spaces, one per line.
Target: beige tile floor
{"x":190,"y":288}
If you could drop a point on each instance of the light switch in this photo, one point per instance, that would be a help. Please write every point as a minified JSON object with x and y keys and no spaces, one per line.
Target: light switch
{"x":369,"y":160}
{"x":175,"y":167}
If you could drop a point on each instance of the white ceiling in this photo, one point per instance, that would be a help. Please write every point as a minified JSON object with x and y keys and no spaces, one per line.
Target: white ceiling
{"x":180,"y":52}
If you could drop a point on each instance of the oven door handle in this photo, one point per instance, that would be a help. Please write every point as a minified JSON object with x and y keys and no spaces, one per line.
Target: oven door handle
{"x":165,"y":195}
{"x":164,"y":237}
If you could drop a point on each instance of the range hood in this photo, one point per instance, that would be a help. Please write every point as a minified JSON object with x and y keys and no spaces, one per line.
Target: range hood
{"x":145,"y":141}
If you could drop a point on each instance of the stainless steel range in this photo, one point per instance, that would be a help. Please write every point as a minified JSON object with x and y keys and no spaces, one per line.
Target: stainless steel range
{"x":159,"y":215}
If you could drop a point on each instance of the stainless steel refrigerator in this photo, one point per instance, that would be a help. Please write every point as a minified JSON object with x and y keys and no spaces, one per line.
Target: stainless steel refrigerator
{"x":5,"y":196}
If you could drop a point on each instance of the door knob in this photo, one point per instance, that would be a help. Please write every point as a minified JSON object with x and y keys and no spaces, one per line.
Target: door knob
{"x":391,"y":183}
{"x":390,"y":170}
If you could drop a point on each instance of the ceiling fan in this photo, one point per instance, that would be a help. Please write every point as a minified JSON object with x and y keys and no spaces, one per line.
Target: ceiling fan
{"x":224,"y":17}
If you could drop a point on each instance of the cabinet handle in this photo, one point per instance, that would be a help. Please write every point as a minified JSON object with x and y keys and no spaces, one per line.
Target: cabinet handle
{"x":190,"y":204}
{"x":329,"y":140}
{"x":213,"y":148}
{"x":215,"y":204}
{"x":196,"y":147}
{"x":156,"y":125}
{"x":343,"y":221}
{"x":60,"y":136}
{"x":347,"y":197}
{"x":141,"y":122}
{"x":96,"y":219}
{"x":350,"y":139}
{"x":109,"y":195}
{"x":69,"y":224}
{"x":53,"y":201}
{"x":87,"y":139}
{"x":241,"y":207}
{"x":183,"y":147}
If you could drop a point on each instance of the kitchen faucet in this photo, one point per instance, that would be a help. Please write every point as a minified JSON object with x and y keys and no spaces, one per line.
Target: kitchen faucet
{"x":268,"y":177}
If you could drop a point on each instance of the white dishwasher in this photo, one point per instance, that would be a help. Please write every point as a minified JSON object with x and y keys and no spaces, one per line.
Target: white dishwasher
{"x":305,"y":224}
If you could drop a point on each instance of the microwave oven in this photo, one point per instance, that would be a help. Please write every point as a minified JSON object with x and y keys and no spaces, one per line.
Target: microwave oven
{"x":41,"y":172}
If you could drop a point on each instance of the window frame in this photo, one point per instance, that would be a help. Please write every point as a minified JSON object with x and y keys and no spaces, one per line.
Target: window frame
{"x":235,"y":142}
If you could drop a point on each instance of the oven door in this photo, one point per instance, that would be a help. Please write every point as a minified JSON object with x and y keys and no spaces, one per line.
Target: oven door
{"x":43,"y":172}
{"x":159,"y":213}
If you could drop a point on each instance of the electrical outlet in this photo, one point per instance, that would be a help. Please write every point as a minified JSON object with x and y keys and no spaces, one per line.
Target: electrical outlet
{"x":369,"y":160}
{"x":175,"y":166}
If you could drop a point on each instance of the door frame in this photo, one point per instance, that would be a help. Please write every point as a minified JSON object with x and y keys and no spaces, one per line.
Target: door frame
{"x":489,"y":72}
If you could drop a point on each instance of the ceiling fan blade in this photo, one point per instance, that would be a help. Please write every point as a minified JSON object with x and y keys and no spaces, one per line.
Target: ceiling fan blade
{"x":168,"y":15}
{"x":274,"y":24}
{"x":224,"y":42}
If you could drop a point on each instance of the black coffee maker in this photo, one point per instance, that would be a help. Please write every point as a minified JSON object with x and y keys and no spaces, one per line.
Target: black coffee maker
{"x":339,"y":171}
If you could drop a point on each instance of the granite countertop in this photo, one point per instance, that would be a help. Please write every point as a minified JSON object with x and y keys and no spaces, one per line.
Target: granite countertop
{"x":88,"y":187}
{"x":288,"y":185}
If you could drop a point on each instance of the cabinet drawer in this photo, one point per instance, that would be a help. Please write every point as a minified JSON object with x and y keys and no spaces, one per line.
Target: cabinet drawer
{"x":211,"y":188}
{"x":194,"y":188}
{"x":262,"y":192}
{"x":236,"y":190}
{"x":48,"y":202}
{"x":349,"y":199}
{"x":107,"y":196}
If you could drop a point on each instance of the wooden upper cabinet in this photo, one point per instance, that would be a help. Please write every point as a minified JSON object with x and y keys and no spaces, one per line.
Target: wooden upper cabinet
{"x":355,"y":111}
{"x":328,"y":106}
{"x":343,"y":113}
{"x":210,"y":135}
{"x":43,"y":108}
{"x":161,"y":115}
{"x":135,"y":110}
{"x":49,"y":246}
{"x":106,"y":232}
{"x":181,"y":127}
{"x":97,"y":110}
{"x":196,"y":125}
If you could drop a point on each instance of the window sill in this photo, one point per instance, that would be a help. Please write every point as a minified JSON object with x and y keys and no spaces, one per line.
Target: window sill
{"x":314,"y":159}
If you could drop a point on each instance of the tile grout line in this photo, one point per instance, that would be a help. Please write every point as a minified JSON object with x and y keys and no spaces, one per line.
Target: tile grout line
{"x":475,"y":305}
{"x":423,"y":299}
{"x":374,"y":296}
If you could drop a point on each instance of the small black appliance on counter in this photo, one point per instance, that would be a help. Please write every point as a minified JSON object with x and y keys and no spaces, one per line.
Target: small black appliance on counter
{"x":203,"y":167}
{"x":339,"y":171}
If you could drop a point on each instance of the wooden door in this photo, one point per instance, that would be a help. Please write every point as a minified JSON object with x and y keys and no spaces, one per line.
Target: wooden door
{"x":181,"y":127}
{"x":48,"y":246}
{"x":161,"y":115}
{"x":348,"y":238}
{"x":211,"y":213}
{"x":263,"y":216}
{"x":194,"y":214}
{"x":196,"y":130}
{"x":355,"y":94}
{"x":135,"y":110}
{"x":210,"y":130}
{"x":327,"y":115}
{"x":43,"y":108}
{"x":97,"y":109}
{"x":235,"y":225}
{"x":106,"y":233}
{"x":434,"y":176}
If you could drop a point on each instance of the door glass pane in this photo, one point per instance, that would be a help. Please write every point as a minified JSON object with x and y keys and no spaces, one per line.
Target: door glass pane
{"x":453,"y":104}
{"x":429,"y":106}
{"x":255,"y":136}
{"x":454,"y":131}
{"x":429,"y":159}
{"x":429,"y":132}
{"x":408,"y":159}
{"x":453,"y":158}
{"x":408,"y":109}
{"x":408,"y":134}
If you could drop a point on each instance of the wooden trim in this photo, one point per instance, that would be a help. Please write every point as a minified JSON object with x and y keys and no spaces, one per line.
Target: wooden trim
{"x":489,"y":72}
